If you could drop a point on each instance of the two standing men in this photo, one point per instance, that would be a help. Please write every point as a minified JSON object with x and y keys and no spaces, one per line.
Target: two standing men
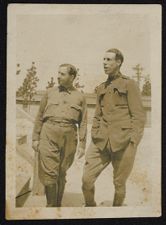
{"x":116,"y":131}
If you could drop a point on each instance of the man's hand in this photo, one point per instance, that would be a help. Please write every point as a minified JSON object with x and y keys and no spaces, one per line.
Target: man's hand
{"x":35,"y":145}
{"x":80,"y":153}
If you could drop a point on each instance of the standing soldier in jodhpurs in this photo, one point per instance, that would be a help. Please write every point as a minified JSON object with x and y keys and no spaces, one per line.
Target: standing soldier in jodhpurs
{"x":117,"y":129}
{"x":61,"y":111}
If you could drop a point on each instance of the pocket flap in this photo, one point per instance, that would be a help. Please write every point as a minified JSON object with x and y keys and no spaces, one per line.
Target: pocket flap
{"x":77,"y":107}
{"x":120,"y":90}
{"x":53,"y":102}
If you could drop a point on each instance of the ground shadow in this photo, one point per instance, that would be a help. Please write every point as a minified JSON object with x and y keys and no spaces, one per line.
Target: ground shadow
{"x":77,"y":200}
{"x":73,"y":200}
{"x":105,"y":203}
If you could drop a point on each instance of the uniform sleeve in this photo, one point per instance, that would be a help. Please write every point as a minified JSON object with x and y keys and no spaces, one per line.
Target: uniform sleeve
{"x":96,"y":118}
{"x":83,"y":125}
{"x":39,"y":119}
{"x":136,"y":110}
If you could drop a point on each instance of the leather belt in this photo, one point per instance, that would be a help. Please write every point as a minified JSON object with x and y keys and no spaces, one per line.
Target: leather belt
{"x":60,"y":123}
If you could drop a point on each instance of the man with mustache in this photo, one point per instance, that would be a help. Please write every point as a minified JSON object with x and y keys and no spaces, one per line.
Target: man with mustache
{"x":117,"y":129}
{"x":61,"y":111}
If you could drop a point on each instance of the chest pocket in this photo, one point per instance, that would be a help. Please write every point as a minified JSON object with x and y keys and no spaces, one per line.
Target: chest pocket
{"x":119,"y":97}
{"x":75,"y":111}
{"x":51,"y":107}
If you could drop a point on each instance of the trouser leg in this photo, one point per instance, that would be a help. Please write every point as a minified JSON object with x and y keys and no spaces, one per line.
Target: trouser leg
{"x":51,"y":195}
{"x":67,"y":158}
{"x":96,"y":161}
{"x":49,"y":162}
{"x":122,"y":162}
{"x":61,"y":188}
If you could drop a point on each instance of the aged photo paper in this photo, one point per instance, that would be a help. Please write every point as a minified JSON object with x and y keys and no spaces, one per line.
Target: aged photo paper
{"x":40,"y":38}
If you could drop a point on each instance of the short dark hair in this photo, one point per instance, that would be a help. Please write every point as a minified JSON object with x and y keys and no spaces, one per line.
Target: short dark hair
{"x":118,"y":54}
{"x":71,"y":69}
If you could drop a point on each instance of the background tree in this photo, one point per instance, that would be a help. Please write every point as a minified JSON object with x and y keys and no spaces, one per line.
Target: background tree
{"x":18,"y":70}
{"x":138,"y":76}
{"x":51,"y":83}
{"x":77,"y":82}
{"x":146,"y":90}
{"x":95,"y":90}
{"x":28,"y":88}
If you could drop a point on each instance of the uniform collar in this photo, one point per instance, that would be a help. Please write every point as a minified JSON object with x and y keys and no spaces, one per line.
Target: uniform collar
{"x":64,"y":89}
{"x":109,"y":81}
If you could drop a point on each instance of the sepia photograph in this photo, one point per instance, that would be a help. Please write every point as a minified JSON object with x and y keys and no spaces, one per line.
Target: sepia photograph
{"x":83,"y":122}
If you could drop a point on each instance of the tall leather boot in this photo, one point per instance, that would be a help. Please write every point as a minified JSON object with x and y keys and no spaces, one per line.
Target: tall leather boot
{"x":61,"y":188}
{"x":118,"y":199}
{"x":51,"y":195}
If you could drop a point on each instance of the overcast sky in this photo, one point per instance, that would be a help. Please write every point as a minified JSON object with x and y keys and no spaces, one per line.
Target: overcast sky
{"x":50,"y":40}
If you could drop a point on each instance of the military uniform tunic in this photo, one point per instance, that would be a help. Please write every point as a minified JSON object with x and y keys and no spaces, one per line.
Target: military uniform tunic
{"x":61,"y":112}
{"x":117,"y":128}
